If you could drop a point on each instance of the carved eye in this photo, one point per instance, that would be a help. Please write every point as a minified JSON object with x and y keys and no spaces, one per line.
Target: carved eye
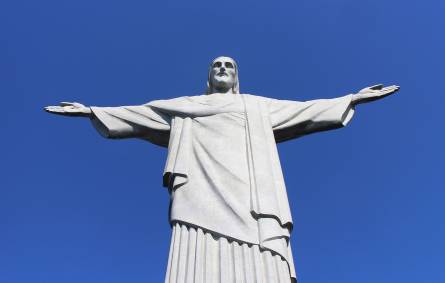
{"x":217,"y":65}
{"x":229,"y":65}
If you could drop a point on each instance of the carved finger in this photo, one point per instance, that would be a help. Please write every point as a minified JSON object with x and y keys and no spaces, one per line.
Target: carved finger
{"x":376,"y":87}
{"x":67,"y":103}
{"x":391,"y":88}
{"x":54,"y":109}
{"x":70,"y":109}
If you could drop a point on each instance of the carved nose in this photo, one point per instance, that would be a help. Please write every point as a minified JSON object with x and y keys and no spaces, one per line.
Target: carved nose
{"x":222,"y":69}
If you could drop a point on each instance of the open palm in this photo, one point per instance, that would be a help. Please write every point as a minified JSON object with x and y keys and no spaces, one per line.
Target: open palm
{"x":69,"y":109}
{"x":375,"y":92}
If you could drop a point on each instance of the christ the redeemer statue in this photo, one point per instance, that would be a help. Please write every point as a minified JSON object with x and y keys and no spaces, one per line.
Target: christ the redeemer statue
{"x":229,"y":211}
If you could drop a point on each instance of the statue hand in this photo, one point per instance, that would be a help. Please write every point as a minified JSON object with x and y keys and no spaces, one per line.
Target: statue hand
{"x":69,"y":109}
{"x":372,"y":93}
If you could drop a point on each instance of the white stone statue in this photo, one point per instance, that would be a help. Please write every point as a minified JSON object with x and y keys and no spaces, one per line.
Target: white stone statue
{"x":229,"y":212}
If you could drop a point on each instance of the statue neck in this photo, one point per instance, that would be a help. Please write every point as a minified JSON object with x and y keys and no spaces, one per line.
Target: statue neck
{"x":222,"y":90}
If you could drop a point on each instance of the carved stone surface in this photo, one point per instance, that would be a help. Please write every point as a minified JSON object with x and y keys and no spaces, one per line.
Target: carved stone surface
{"x":229,"y":202}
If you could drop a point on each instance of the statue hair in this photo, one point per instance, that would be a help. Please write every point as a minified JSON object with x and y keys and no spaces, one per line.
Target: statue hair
{"x":235,"y":87}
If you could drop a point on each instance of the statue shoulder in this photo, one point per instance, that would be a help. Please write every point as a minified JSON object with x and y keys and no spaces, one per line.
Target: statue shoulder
{"x":256,"y":97}
{"x":168,"y":100}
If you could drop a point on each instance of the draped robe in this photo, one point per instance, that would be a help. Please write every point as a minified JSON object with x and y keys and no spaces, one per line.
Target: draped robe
{"x":223,"y":170}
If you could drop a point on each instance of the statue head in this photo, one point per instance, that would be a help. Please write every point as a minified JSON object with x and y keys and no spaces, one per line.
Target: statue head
{"x":223,"y":76}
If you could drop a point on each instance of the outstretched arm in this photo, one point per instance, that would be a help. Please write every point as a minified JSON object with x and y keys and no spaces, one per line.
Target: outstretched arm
{"x":143,"y":121}
{"x":293,"y":119}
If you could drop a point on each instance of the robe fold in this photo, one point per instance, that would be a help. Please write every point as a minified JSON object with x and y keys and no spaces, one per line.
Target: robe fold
{"x":223,"y":170}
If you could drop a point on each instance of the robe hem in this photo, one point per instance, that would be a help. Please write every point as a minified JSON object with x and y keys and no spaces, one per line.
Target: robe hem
{"x":217,"y":235}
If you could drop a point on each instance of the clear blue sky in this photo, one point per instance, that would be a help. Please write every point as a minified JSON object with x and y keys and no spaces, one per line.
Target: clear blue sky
{"x":367,"y":200}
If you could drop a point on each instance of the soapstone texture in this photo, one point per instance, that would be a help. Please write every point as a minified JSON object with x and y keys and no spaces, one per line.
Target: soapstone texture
{"x":229,"y":206}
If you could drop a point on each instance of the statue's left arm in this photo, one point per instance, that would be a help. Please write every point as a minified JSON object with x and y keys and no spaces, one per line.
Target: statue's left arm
{"x":293,"y":119}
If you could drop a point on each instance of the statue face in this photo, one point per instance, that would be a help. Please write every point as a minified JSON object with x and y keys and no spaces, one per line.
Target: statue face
{"x":223,"y":73}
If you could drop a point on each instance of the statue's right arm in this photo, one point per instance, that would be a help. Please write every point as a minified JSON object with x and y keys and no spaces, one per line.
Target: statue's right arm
{"x":142,"y":121}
